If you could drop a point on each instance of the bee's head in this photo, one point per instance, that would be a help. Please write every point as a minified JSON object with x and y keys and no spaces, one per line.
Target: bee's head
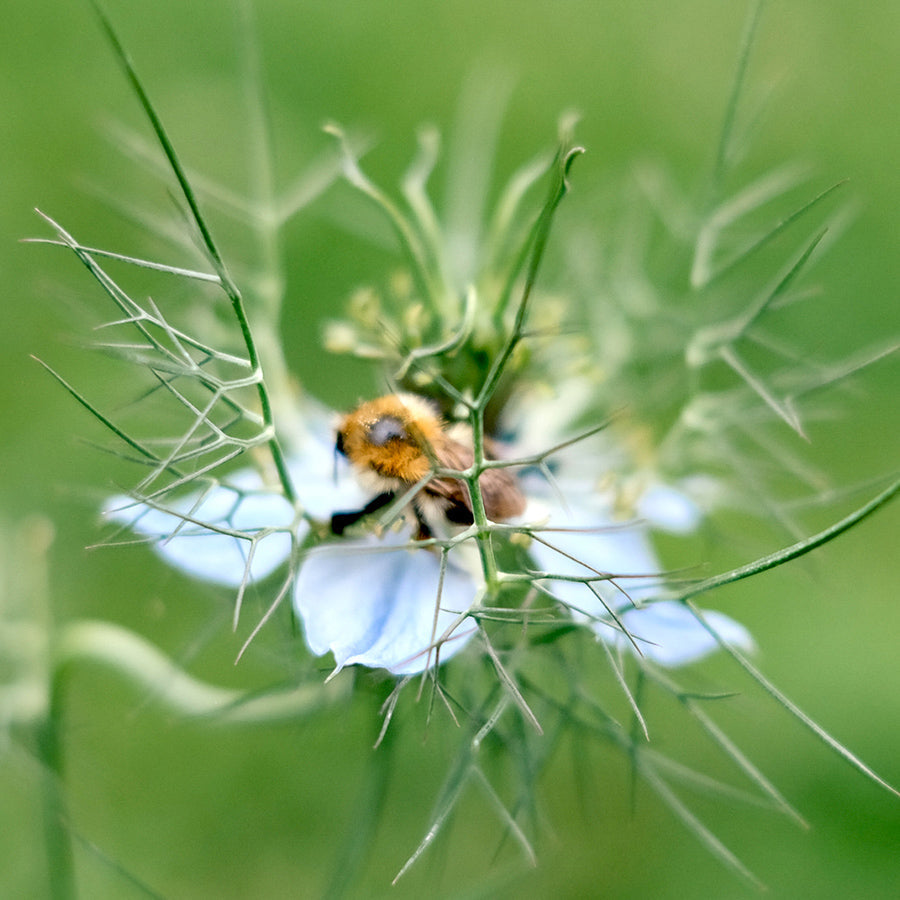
{"x":386,"y":429}
{"x":378,"y":433}
{"x":387,"y":436}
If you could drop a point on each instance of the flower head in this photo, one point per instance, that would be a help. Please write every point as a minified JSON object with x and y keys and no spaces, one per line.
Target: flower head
{"x":383,"y":599}
{"x":392,"y":570}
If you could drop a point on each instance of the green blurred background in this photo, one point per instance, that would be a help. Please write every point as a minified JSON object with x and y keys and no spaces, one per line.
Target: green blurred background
{"x":198,"y":811}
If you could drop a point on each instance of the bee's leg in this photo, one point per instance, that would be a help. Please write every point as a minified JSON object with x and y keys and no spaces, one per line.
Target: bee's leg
{"x":341,"y":521}
{"x":459,"y":514}
{"x":423,"y":532}
{"x":454,"y":513}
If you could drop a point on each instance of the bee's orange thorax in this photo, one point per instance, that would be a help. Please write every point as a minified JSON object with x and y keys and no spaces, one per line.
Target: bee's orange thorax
{"x":393,"y":437}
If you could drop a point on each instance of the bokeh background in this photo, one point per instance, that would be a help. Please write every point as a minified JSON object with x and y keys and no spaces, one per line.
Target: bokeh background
{"x":184,"y":809}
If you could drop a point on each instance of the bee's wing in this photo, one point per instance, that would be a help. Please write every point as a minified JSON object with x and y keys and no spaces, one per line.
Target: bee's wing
{"x":502,"y":497}
{"x":452,"y":493}
{"x":499,"y":488}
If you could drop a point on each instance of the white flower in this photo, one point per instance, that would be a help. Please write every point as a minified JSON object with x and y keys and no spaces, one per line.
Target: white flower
{"x":374,"y":601}
{"x":369,"y":601}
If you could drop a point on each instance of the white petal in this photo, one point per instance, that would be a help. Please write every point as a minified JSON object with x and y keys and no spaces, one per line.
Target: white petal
{"x":244,"y":504}
{"x":322,"y":480}
{"x":668,"y":633}
{"x":669,"y":509}
{"x":372,"y":602}
{"x":210,"y":555}
{"x":619,"y":550}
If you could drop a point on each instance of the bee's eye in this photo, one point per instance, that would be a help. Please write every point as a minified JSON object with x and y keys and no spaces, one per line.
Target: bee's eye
{"x":387,"y":428}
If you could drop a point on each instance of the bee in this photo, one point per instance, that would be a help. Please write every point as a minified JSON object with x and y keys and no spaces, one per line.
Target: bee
{"x":394,"y":442}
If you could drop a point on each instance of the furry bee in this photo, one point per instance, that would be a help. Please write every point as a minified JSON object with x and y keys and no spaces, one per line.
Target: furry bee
{"x":392,"y":443}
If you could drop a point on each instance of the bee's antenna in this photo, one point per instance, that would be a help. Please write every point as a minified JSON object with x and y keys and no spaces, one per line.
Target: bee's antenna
{"x":338,"y":449}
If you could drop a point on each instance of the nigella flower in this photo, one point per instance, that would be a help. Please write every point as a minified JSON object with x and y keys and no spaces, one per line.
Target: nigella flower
{"x":381,"y":601}
{"x":461,"y":325}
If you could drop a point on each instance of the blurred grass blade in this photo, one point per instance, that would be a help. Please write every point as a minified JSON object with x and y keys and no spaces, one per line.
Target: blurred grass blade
{"x":737,"y":87}
{"x":696,"y":827}
{"x":795,"y":710}
{"x":728,"y":747}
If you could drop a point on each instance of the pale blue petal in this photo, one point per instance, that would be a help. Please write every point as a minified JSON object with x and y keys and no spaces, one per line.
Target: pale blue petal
{"x":666,"y":632}
{"x":322,"y":478}
{"x":206,"y":554}
{"x":620,"y":550}
{"x":372,"y":602}
{"x":669,"y":509}
{"x":244,"y":504}
{"x":669,"y":634}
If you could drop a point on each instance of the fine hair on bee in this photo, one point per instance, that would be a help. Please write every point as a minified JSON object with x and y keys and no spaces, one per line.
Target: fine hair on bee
{"x":394,"y":442}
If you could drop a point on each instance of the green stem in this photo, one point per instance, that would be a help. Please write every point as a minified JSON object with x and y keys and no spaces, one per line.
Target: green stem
{"x":360,"y":839}
{"x":479,"y":514}
{"x":57,"y":836}
{"x":228,"y":285}
{"x":795,"y":550}
{"x":537,"y":242}
{"x":138,"y":660}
